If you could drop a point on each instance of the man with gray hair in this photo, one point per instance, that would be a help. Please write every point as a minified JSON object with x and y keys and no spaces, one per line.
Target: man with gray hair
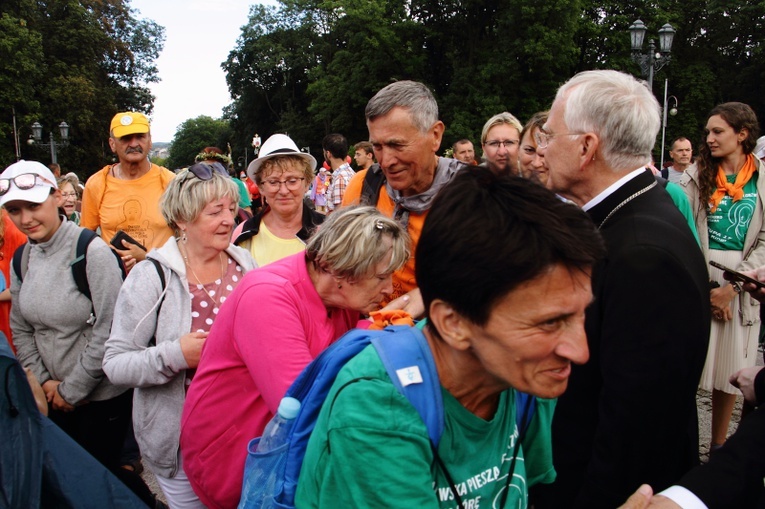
{"x":629,"y":415}
{"x":405,"y":133}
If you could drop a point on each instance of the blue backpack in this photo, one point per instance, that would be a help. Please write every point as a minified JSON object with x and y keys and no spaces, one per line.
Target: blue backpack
{"x":271,"y":478}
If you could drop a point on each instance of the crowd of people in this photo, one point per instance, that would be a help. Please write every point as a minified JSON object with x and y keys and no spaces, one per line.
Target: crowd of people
{"x":557,"y":264}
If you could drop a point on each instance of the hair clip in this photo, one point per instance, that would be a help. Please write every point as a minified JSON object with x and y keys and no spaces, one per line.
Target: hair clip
{"x":379,"y":225}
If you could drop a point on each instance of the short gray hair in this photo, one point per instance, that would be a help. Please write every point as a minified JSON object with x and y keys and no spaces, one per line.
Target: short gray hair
{"x":410,"y":95}
{"x":619,"y":109}
{"x":349,"y":243}
{"x":500,"y":118}
{"x":186,"y":196}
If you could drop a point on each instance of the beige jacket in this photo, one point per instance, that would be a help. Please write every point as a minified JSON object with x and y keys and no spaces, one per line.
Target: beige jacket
{"x":754,"y":243}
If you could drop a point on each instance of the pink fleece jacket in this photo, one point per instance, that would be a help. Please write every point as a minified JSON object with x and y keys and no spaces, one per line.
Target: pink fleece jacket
{"x":270,"y":328}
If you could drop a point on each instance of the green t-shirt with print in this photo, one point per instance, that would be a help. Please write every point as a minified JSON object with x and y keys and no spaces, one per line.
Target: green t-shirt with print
{"x":371,"y":449}
{"x":729,"y":223}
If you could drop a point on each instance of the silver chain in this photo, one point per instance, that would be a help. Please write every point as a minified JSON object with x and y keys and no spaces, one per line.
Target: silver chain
{"x":625,"y":202}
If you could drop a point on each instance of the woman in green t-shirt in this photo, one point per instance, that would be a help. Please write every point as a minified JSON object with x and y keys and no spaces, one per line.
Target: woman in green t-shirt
{"x":726,"y":190}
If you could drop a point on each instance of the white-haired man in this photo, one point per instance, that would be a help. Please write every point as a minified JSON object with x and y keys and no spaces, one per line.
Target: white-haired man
{"x":629,"y":415}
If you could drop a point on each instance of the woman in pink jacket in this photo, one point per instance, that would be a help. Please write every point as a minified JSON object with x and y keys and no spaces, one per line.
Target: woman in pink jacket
{"x":276,"y":321}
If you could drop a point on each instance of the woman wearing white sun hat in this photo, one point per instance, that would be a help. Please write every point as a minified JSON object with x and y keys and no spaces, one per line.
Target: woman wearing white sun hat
{"x":283,"y":175}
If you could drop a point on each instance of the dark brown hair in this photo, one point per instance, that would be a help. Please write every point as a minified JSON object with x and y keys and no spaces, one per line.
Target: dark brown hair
{"x":739,"y":116}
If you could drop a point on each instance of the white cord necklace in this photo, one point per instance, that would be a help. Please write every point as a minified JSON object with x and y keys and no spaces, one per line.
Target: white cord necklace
{"x":199,"y":281}
{"x":625,"y":202}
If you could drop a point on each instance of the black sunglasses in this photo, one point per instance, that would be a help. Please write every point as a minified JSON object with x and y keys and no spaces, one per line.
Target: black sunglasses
{"x":204,"y":171}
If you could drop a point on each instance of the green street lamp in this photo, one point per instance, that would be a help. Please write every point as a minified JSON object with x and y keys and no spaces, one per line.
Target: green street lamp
{"x":652,"y":60}
{"x":36,"y":139}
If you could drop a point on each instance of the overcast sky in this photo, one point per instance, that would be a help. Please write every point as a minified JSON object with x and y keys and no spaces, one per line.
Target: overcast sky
{"x":199,"y":34}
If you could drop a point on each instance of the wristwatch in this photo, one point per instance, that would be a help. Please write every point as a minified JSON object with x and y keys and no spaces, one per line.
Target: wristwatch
{"x":736,"y":286}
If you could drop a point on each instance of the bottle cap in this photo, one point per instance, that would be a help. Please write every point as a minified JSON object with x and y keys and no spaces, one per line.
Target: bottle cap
{"x":289,"y":408}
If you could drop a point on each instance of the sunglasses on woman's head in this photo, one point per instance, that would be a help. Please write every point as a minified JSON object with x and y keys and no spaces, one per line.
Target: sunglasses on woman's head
{"x":24,"y":181}
{"x":204,"y":171}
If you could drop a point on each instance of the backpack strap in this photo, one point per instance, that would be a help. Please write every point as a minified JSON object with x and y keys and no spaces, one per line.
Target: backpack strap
{"x":79,"y":262}
{"x":163,"y":284}
{"x":373,"y":182}
{"x":410,"y":366}
{"x":20,"y":260}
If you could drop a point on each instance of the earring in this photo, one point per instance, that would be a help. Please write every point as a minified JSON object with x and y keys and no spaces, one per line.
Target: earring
{"x":183,"y":236}
{"x":339,"y":286}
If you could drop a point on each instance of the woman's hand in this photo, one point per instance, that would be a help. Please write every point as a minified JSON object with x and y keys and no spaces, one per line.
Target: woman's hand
{"x":720,"y":298}
{"x":54,"y":397}
{"x":191,"y":346}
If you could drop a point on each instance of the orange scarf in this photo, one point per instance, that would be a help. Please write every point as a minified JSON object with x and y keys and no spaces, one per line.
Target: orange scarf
{"x":390,"y":317}
{"x":735,"y":190}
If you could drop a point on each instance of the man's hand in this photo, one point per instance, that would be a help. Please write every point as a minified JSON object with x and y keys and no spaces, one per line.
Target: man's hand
{"x":643,"y":499}
{"x":754,"y":290}
{"x":744,"y":380}
{"x":131,"y":255}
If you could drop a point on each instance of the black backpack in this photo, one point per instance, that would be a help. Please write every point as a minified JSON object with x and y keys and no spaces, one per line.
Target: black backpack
{"x":373,"y":182}
{"x":78,"y":264}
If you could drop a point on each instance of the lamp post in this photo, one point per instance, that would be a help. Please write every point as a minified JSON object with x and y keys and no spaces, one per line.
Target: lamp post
{"x":36,"y":139}
{"x":673,"y":112}
{"x":653,"y":60}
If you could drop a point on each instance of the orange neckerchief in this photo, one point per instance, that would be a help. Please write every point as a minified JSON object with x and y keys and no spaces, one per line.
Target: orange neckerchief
{"x":390,"y":317}
{"x":735,"y":190}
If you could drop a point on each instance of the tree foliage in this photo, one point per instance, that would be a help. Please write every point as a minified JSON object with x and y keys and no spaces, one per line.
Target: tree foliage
{"x":308,"y":67}
{"x":75,"y":61}
{"x":194,"y":135}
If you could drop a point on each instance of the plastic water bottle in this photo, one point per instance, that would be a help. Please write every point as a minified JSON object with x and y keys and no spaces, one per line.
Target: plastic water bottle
{"x":278,"y":429}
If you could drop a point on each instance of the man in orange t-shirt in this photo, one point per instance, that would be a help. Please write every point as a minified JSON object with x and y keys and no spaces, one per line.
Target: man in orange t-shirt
{"x":405,"y":133}
{"x":125,"y":196}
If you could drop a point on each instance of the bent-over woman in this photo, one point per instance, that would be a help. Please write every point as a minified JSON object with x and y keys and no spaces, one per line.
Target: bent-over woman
{"x":275,"y":323}
{"x":160,"y":326}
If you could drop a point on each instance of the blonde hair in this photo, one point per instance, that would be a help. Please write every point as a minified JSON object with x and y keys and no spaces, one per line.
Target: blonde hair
{"x":284,"y":163}
{"x":350,"y":243}
{"x":72,"y":180}
{"x":187,"y":195}
{"x":500,"y":119}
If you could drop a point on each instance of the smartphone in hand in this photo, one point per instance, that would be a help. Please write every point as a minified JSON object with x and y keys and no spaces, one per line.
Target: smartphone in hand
{"x":738,"y":276}
{"x":120,"y":236}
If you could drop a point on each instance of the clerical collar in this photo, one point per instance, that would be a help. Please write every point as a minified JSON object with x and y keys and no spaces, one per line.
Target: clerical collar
{"x":613,"y":187}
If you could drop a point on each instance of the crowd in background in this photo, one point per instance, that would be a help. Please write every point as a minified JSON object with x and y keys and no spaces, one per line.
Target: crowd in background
{"x":204,"y":295}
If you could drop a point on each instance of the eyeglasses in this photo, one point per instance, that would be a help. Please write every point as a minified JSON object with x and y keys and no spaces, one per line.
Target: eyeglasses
{"x":495,"y":144}
{"x":204,"y":171}
{"x":69,"y":195}
{"x":543,"y":138}
{"x":290,"y":183}
{"x":24,"y":182}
